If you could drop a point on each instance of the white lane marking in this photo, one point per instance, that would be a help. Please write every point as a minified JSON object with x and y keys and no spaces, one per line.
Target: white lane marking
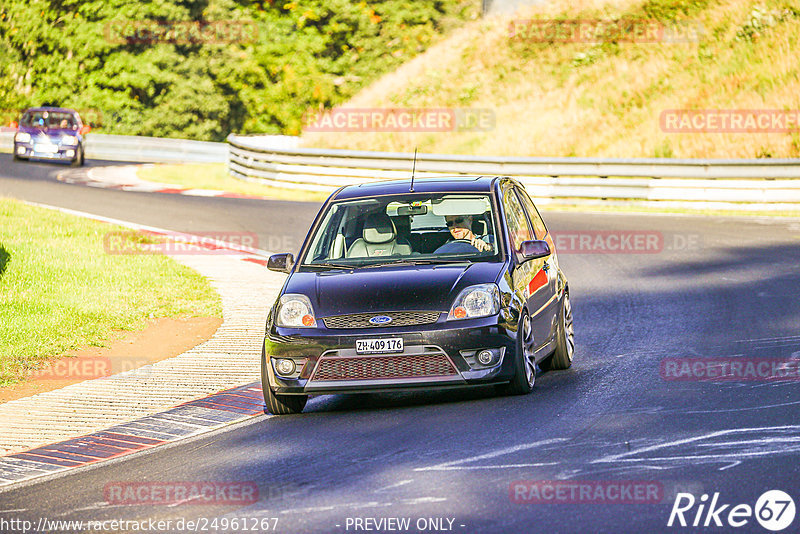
{"x":621,"y":457}
{"x":352,"y":506}
{"x":734,"y":464}
{"x":12,"y":511}
{"x":747,"y":409}
{"x":95,"y":506}
{"x":396,"y":485}
{"x":421,"y":500}
{"x":493,"y":454}
{"x":476,"y":467}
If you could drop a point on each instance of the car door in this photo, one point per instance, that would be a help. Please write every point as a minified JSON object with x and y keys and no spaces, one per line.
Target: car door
{"x":529,"y":279}
{"x":549,"y":312}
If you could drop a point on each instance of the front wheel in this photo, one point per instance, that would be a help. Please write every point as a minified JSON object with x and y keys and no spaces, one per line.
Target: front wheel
{"x":565,"y":343}
{"x":524,"y":361}
{"x":78,"y":161}
{"x":279,"y":404}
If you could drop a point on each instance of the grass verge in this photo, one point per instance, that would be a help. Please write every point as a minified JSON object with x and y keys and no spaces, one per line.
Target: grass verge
{"x":215,"y":176}
{"x":60,"y":291}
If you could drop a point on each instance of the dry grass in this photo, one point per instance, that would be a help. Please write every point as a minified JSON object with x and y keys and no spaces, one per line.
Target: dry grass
{"x":551,"y":101}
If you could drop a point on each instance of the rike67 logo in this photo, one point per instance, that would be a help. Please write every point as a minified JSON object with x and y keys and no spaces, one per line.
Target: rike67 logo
{"x":774,"y":510}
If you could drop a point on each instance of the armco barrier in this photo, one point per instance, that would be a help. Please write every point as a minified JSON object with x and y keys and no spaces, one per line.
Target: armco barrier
{"x":741,"y":183}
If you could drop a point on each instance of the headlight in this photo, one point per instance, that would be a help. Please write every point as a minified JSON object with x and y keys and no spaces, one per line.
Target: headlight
{"x":295,"y":311}
{"x":69,"y":140}
{"x":22,"y":137}
{"x":480,"y":300}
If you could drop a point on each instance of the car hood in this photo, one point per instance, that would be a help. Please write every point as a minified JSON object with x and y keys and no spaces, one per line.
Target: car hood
{"x":397,"y":288}
{"x":49,"y":132}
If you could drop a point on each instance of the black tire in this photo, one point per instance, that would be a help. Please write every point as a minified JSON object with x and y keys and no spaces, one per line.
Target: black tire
{"x":16,"y":157}
{"x":78,"y":161}
{"x":565,"y":342}
{"x":524,"y":365}
{"x":279,"y":404}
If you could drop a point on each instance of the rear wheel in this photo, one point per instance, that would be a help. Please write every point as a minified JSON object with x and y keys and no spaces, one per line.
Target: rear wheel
{"x":279,"y":404}
{"x":565,"y":343}
{"x":524,"y":362}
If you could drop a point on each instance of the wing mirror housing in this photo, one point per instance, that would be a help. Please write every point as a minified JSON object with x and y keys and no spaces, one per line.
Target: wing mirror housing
{"x":534,"y":249}
{"x":281,"y":263}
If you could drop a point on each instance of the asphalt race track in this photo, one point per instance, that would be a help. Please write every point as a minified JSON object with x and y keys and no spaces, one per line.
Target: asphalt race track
{"x":722,"y":288}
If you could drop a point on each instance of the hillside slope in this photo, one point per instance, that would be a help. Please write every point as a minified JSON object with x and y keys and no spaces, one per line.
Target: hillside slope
{"x":601,"y":99}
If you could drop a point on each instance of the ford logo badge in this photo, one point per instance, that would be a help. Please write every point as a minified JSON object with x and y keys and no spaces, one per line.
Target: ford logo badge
{"x":380,"y":319}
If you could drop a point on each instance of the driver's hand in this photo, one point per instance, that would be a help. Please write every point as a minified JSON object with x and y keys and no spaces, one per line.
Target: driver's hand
{"x":480,"y":244}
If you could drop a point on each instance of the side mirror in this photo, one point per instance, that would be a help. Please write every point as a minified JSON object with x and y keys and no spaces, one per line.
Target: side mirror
{"x":14,"y":124}
{"x":532,"y":250}
{"x":85,"y":129}
{"x":281,"y":263}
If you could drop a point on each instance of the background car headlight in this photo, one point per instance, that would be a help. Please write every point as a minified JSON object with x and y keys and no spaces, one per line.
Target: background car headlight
{"x":22,"y":137}
{"x":480,"y":300}
{"x":69,"y":140}
{"x":294,"y":310}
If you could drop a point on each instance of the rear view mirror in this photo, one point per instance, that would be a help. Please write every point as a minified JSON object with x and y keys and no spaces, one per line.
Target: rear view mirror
{"x":412,"y":210}
{"x":281,"y":263}
{"x":532,"y":250}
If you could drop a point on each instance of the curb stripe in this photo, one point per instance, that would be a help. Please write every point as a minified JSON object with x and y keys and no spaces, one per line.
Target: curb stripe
{"x":203,"y":415}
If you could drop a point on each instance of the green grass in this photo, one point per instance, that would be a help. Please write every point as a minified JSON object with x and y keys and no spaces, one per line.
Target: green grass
{"x":215,"y":176}
{"x":60,"y":291}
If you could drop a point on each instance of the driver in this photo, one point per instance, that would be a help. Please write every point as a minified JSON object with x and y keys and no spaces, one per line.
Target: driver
{"x":461,"y":229}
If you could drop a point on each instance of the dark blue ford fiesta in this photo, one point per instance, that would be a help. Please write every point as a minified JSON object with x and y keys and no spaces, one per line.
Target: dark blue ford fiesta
{"x":447,"y":282}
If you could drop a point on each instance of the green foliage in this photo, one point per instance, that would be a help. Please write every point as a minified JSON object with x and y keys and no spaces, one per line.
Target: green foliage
{"x":670,"y":10}
{"x":760,"y":20}
{"x":290,"y":57}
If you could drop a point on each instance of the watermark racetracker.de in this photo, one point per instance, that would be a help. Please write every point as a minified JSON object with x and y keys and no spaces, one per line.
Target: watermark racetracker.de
{"x":400,"y":120}
{"x":586,"y":492}
{"x":624,"y":30}
{"x":135,"y":493}
{"x":176,"y":243}
{"x":151,"y":32}
{"x":731,"y":369}
{"x":730,"y":121}
{"x":623,"y":241}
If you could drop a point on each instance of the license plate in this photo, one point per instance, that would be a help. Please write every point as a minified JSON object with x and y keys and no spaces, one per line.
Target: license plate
{"x":45,"y":149}
{"x":379,"y":345}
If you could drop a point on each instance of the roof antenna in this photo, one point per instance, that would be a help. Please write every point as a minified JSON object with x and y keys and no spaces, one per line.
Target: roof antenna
{"x":413,"y":169}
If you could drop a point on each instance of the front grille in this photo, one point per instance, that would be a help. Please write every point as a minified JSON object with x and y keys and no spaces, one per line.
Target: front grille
{"x":384,"y":367}
{"x":361,"y":320}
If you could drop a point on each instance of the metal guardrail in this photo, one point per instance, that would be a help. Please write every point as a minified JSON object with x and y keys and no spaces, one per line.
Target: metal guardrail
{"x":769,"y":183}
{"x":141,"y":149}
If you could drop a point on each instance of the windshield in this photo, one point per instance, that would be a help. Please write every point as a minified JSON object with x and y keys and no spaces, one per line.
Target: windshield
{"x":49,"y":120}
{"x":429,"y":228}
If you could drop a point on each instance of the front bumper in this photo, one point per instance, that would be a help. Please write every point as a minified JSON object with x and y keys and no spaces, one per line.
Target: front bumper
{"x":442,"y":354}
{"x":32,"y":150}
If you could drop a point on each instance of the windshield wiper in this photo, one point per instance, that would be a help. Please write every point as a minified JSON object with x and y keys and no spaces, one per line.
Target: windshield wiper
{"x":410,"y":261}
{"x":331,"y":265}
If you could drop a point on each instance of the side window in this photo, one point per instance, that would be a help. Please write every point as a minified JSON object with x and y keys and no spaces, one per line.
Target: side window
{"x":515,"y":217}
{"x":533,"y":214}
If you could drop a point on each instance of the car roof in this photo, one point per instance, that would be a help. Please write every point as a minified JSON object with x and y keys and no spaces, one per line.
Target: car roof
{"x":439,"y":184}
{"x":53,"y":109}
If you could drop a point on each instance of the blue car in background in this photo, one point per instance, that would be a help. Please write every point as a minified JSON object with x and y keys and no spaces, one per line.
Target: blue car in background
{"x":51,"y":133}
